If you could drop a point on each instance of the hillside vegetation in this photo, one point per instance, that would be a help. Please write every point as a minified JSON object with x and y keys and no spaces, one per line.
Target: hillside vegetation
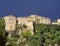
{"x":44,"y":35}
{"x":3,"y":34}
{"x":48,"y":34}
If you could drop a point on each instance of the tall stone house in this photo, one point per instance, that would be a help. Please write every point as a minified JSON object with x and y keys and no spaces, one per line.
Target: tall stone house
{"x":10,"y":22}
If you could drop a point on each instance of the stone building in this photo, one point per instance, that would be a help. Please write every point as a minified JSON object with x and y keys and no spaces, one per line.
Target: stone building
{"x":43,"y":20}
{"x":10,"y":22}
{"x":46,"y":20}
{"x":58,"y":20}
{"x":54,"y":23}
{"x":28,"y":21}
{"x":33,"y":18}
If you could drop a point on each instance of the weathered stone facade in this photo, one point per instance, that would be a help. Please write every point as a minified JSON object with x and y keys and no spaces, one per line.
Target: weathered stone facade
{"x":10,"y":22}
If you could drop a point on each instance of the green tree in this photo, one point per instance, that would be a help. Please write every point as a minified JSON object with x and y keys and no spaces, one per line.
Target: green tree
{"x":3,"y":34}
{"x":2,"y":24}
{"x":37,"y":20}
{"x":25,"y":34}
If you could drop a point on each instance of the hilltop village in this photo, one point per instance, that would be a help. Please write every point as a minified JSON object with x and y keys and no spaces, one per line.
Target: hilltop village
{"x":33,"y":30}
{"x":11,"y":22}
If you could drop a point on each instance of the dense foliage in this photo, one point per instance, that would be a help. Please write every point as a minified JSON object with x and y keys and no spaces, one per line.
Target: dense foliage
{"x":3,"y":34}
{"x":50,"y":33}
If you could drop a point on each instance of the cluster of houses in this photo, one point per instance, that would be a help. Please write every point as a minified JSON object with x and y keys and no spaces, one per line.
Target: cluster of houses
{"x":11,"y":21}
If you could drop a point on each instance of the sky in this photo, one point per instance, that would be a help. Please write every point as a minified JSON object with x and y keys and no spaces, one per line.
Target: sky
{"x":46,"y":8}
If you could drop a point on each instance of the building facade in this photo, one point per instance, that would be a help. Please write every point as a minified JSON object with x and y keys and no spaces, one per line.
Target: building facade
{"x":57,"y":22}
{"x":46,"y":20}
{"x":10,"y":22}
{"x":33,"y":18}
